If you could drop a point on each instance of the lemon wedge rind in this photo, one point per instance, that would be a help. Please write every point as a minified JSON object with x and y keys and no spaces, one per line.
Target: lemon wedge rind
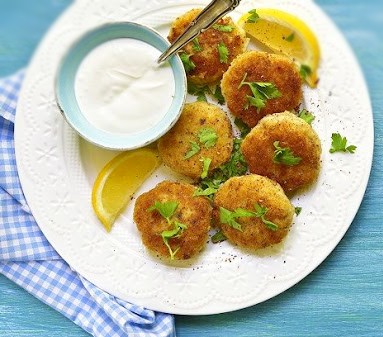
{"x":118,"y":181}
{"x":285,"y":34}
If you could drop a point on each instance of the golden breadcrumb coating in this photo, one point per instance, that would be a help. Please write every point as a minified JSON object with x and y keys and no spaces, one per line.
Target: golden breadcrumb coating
{"x":245,"y":191}
{"x":261,"y":67}
{"x":175,"y":144}
{"x":291,"y":132}
{"x":194,"y":212}
{"x":204,"y":50}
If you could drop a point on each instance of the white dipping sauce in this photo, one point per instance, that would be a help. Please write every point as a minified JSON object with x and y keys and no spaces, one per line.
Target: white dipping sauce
{"x":120,"y":87}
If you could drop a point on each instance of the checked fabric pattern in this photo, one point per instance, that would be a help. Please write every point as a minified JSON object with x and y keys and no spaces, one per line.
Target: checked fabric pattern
{"x":27,"y":258}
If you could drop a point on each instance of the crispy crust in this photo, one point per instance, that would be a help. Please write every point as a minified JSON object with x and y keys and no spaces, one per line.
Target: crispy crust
{"x":208,"y":68}
{"x":261,"y":67}
{"x":244,"y":192}
{"x":176,"y":143}
{"x":293,"y":132}
{"x":194,"y":212}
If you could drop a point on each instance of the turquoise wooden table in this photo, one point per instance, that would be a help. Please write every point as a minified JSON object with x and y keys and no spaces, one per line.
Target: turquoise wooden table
{"x":342,"y":297}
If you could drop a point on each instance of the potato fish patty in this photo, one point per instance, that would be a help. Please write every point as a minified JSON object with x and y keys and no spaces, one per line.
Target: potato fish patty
{"x":260,"y":68}
{"x":252,"y":193}
{"x":212,"y":51}
{"x":202,"y":131}
{"x":270,"y":146}
{"x":194,"y":213}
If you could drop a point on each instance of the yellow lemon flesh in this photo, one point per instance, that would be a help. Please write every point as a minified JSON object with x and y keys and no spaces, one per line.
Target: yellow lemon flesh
{"x":118,"y":180}
{"x":285,"y":34}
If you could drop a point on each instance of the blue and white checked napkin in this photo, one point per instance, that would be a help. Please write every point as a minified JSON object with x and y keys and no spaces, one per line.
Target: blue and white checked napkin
{"x":27,"y":258}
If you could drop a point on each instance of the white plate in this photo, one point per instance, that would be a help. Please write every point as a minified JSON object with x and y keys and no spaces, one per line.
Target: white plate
{"x":57,"y":169}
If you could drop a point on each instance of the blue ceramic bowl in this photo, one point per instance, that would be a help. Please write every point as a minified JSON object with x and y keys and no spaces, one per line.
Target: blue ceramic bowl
{"x":65,"y":86}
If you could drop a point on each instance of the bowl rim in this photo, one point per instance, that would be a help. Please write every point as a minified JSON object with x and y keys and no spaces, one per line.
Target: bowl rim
{"x":150,"y":137}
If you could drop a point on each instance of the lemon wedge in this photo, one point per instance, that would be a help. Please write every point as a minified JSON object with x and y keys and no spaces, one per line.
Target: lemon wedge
{"x":284,"y":33}
{"x":118,"y":180}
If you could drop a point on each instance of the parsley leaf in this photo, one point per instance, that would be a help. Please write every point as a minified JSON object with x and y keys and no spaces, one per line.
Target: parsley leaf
{"x":262,"y":91}
{"x":187,"y":62}
{"x":339,"y":144}
{"x":166,"y":209}
{"x":196,"y":46}
{"x":305,"y":71}
{"x":223,"y":53}
{"x":229,"y":217}
{"x":199,"y":91}
{"x":218,"y":95}
{"x":208,"y":137}
{"x":297,"y":210}
{"x":284,"y":155}
{"x":223,"y":28}
{"x":269,"y":224}
{"x":177,"y":230}
{"x":244,"y":129}
{"x":253,"y":16}
{"x":236,"y":166}
{"x":194,"y":149}
{"x":218,"y":237}
{"x":205,"y":168}
{"x":202,"y":90}
{"x":291,"y":37}
{"x":307,"y":116}
{"x":204,"y":193}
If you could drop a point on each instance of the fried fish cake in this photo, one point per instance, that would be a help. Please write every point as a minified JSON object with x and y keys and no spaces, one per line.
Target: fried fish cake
{"x":253,"y":193}
{"x":198,"y":122}
{"x":291,"y":132}
{"x":260,"y":67}
{"x":224,"y":38}
{"x":193,"y":213}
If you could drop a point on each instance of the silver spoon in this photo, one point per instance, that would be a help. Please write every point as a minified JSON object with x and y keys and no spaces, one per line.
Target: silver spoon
{"x":209,"y":15}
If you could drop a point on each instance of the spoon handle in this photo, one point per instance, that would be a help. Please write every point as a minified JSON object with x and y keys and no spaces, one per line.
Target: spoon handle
{"x":209,"y":15}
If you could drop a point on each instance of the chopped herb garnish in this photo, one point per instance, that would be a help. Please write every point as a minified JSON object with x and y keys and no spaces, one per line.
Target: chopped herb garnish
{"x":223,"y":28}
{"x":229,"y":217}
{"x":204,"y":193}
{"x":290,"y":38}
{"x":199,"y":91}
{"x":297,"y":210}
{"x":305,"y":71}
{"x":223,"y":53}
{"x":202,"y":90}
{"x":307,"y":116}
{"x":205,"y":168}
{"x":285,"y":156}
{"x":208,"y":137}
{"x":261,"y":213}
{"x":218,"y":95}
{"x":339,"y":144}
{"x":236,"y":166}
{"x":253,"y":16}
{"x":218,"y":237}
{"x":187,"y":62}
{"x":262,"y":91}
{"x":243,"y":128}
{"x":173,"y":233}
{"x":167,"y":209}
{"x":196,"y":46}
{"x":207,"y":188}
{"x":194,"y":149}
